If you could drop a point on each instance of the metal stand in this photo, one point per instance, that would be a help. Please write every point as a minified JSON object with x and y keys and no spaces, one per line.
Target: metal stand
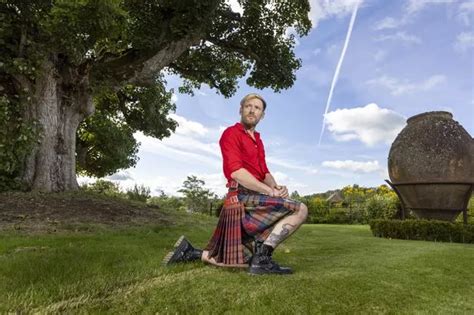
{"x":404,"y":207}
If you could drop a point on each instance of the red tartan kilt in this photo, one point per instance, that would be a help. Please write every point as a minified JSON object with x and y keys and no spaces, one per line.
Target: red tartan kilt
{"x":245,"y":217}
{"x":262,"y":212}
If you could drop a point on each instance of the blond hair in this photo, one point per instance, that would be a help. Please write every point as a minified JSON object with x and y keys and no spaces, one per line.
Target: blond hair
{"x":252,"y":96}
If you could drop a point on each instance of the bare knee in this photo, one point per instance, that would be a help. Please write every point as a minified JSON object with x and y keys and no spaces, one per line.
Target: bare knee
{"x":303,"y":212}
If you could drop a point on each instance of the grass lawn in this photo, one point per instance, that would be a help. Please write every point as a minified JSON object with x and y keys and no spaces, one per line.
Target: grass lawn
{"x":338,"y":269}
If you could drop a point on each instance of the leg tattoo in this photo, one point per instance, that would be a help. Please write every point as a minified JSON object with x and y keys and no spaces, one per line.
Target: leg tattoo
{"x":276,"y":238}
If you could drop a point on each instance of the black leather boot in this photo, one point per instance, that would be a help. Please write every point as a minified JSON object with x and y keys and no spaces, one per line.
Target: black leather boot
{"x":183,"y":252}
{"x":262,"y":262}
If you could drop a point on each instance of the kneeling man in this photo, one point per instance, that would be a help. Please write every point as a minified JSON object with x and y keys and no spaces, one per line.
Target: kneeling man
{"x":257,"y":214}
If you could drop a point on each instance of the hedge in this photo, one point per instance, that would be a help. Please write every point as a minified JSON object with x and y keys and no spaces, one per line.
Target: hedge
{"x":428,"y":230}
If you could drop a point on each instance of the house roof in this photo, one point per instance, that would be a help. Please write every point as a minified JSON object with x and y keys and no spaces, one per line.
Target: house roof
{"x":335,"y":197}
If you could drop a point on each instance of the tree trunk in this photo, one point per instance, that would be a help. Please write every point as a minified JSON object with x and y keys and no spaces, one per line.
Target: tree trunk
{"x":62,"y":100}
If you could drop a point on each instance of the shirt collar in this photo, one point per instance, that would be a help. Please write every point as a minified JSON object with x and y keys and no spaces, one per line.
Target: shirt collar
{"x":242,"y":128}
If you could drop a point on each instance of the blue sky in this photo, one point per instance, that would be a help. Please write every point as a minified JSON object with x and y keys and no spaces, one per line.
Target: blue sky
{"x":403,"y":58}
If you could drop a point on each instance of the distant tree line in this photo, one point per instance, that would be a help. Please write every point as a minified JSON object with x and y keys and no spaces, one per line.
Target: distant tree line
{"x":196,"y":197}
{"x":354,"y":204}
{"x":350,"y":205}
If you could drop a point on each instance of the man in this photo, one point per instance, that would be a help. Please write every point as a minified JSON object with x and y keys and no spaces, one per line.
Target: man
{"x":257,"y":215}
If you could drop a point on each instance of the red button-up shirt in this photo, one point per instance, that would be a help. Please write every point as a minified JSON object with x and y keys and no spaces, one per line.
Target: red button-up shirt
{"x":240,"y":150}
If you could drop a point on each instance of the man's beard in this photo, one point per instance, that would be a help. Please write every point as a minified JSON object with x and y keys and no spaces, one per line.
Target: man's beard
{"x":250,"y":124}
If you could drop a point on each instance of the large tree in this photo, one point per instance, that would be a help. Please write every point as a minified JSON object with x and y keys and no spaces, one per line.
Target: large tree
{"x":79,"y":77}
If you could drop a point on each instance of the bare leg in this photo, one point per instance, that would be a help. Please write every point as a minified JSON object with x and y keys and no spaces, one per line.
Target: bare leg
{"x":212,"y":261}
{"x":286,"y":227}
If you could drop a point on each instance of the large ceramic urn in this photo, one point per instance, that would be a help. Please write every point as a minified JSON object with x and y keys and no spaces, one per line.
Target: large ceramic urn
{"x":431,"y":164}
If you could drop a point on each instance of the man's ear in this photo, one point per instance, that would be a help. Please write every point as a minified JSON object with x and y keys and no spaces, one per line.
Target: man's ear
{"x":240,"y":110}
{"x":263,"y":115}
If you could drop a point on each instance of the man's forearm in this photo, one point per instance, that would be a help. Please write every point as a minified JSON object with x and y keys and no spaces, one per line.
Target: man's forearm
{"x":243,"y":177}
{"x":270,"y":181}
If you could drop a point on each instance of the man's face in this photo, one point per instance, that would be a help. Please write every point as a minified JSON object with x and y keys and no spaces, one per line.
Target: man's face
{"x":251,"y":112}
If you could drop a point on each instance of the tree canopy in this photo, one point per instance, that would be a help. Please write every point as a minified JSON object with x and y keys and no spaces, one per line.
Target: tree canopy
{"x":112,"y":56}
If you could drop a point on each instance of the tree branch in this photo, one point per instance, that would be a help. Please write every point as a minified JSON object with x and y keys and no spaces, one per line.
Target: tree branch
{"x":192,"y":73}
{"x":233,"y":46}
{"x":140,"y":66}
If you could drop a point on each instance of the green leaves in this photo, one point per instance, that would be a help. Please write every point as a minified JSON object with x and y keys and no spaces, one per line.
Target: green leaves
{"x":428,"y":230}
{"x":105,"y":141}
{"x":86,"y":29}
{"x":213,"y":65}
{"x":103,"y":146}
{"x":118,"y":50}
{"x":197,"y":197}
{"x":146,"y":109}
{"x":16,"y":139}
{"x":257,"y":41}
{"x":153,"y":24}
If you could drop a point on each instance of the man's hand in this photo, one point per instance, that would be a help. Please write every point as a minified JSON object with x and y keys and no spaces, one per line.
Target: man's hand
{"x":281,"y":191}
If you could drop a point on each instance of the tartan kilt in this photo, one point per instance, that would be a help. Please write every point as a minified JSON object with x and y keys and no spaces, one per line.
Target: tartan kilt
{"x":262,"y":212}
{"x":246,"y":216}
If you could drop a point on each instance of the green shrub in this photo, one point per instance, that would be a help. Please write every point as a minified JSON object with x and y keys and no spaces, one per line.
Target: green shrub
{"x":428,"y":230}
{"x":104,"y":187}
{"x":197,"y":197}
{"x":317,"y":207}
{"x":357,"y":215}
{"x":332,"y":217}
{"x":138,"y":193}
{"x":17,"y":137}
{"x":470,"y":212}
{"x":217,"y":206}
{"x":382,"y":207}
{"x":168,"y":203}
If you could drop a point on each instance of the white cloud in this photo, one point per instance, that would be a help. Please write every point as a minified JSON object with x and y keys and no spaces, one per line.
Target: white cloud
{"x":120,"y":175}
{"x":187,"y":127}
{"x":466,"y":12}
{"x":369,"y":124}
{"x":291,"y":165}
{"x":85,"y":180}
{"x":192,"y":142}
{"x":215,"y":182}
{"x":174,"y":98}
{"x":280,"y":177}
{"x":323,"y":9}
{"x":181,"y":148}
{"x":354,"y":166}
{"x":235,"y":6}
{"x":168,"y":185}
{"x":290,"y":183}
{"x":414,"y":6}
{"x":464,"y":41}
{"x":400,"y":36}
{"x":397,"y":87}
{"x":380,"y":55}
{"x":387,"y":23}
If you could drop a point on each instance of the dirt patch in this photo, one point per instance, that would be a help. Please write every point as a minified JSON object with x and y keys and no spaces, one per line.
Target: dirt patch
{"x":72,"y":211}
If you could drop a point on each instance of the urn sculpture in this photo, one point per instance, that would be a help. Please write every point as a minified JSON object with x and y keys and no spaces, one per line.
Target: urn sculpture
{"x":431,"y":165}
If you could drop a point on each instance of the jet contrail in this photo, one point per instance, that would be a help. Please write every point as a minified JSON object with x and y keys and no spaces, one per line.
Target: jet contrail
{"x":336,"y":74}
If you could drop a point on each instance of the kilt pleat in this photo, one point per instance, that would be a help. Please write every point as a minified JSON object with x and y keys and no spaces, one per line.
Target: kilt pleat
{"x":245,"y":217}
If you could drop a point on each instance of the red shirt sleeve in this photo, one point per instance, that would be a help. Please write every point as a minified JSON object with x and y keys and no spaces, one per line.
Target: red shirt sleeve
{"x":231,"y":152}
{"x":264,"y":162}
